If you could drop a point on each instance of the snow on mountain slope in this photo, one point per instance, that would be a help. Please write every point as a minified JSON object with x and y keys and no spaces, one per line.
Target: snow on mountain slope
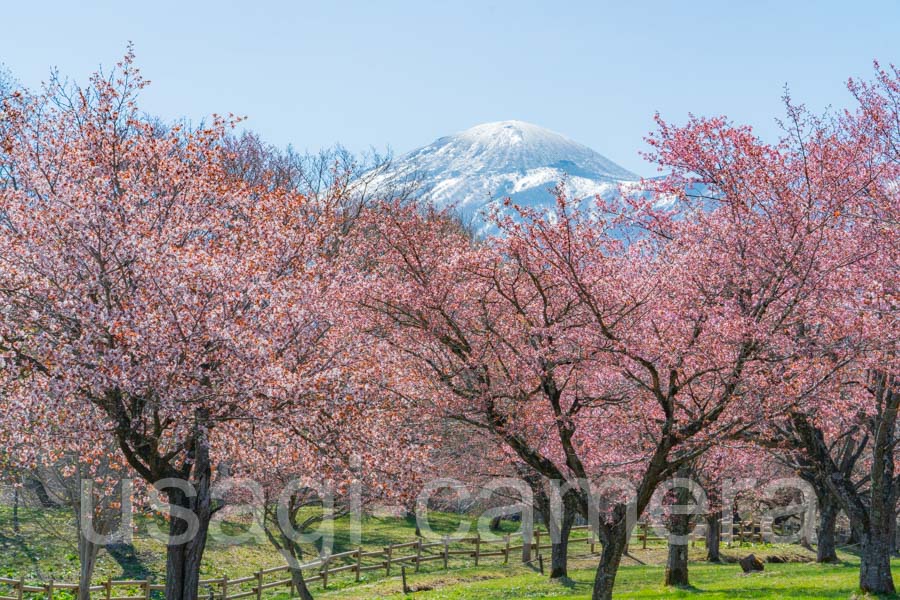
{"x":493,"y":161}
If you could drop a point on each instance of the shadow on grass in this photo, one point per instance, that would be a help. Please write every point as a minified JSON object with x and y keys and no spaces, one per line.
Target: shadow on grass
{"x":128,"y":560}
{"x":635,"y":558}
{"x":568,"y":582}
{"x":689,"y":588}
{"x":19,"y":544}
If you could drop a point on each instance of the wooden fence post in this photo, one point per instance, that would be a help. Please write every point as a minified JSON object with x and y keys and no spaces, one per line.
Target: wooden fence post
{"x":646,"y":529}
{"x":537,"y":541}
{"x":224,"y":587}
{"x":527,"y":543}
{"x":477,"y":548}
{"x":259,"y":584}
{"x":541,"y":562}
{"x":20,"y":588}
{"x":446,"y":550}
{"x":403,"y":575}
{"x":359,"y":552}
{"x":50,"y":590}
{"x":506,"y":553}
{"x":390,"y":552}
{"x":324,"y":571}
{"x":418,"y":554}
{"x":108,"y":586}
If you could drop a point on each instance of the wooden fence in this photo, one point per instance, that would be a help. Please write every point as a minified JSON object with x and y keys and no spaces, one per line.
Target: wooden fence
{"x":389,"y":559}
{"x":741,"y":532}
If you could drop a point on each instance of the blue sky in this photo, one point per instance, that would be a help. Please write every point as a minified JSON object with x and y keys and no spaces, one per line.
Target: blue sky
{"x":399,"y":74}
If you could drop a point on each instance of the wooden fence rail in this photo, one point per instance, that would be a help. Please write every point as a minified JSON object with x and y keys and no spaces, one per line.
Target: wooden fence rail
{"x":355,"y":562}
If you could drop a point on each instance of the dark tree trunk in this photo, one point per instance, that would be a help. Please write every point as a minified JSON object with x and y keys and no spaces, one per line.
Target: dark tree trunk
{"x":40,"y":490}
{"x":872,"y":517}
{"x":714,"y":537}
{"x":183,"y":560}
{"x":677,"y":565}
{"x":615,"y":529}
{"x":854,"y":537}
{"x":876,"y":520}
{"x":893,"y":526}
{"x":15,"y":516}
{"x":826,"y":551}
{"x":610,"y":557}
{"x":559,"y":536}
{"x":877,"y":533}
{"x":875,"y":565}
{"x":875,"y":524}
{"x":185,"y":476}
{"x":495,"y":523}
{"x":679,"y":527}
{"x":299,"y":584}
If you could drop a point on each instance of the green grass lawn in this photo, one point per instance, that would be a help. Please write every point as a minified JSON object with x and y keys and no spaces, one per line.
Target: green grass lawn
{"x":44,"y":549}
{"x":709,"y":582}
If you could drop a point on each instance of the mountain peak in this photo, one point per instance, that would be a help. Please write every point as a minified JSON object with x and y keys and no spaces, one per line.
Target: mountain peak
{"x":508,"y":132}
{"x":515,"y":159}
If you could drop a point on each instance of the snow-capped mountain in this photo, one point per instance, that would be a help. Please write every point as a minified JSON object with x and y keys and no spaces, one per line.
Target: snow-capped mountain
{"x":514,"y":159}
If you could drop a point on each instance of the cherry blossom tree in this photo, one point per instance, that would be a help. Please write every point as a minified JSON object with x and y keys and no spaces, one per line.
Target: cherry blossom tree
{"x":624,"y":333}
{"x":151,"y":293}
{"x":469,"y":326}
{"x":847,"y":443}
{"x":843,"y":438}
{"x":674,"y":338}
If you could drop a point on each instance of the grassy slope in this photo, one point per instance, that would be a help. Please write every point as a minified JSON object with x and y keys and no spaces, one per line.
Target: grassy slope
{"x":41,"y":552}
{"x":45,"y":547}
{"x":710,"y":582}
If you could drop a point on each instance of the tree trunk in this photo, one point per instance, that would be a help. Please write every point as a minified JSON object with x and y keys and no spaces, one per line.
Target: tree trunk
{"x":527,"y":537}
{"x":15,"y":516}
{"x":872,"y":517}
{"x":299,"y":583}
{"x":893,"y":526}
{"x":610,"y":557}
{"x":495,"y":523}
{"x":677,"y":565}
{"x":679,"y":526}
{"x":87,"y":558}
{"x":854,"y":537}
{"x":183,"y":560}
{"x":826,"y":551}
{"x":877,"y":538}
{"x":714,"y":537}
{"x":559,"y":529}
{"x":559,"y":551}
{"x":875,"y":564}
{"x":40,"y":490}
